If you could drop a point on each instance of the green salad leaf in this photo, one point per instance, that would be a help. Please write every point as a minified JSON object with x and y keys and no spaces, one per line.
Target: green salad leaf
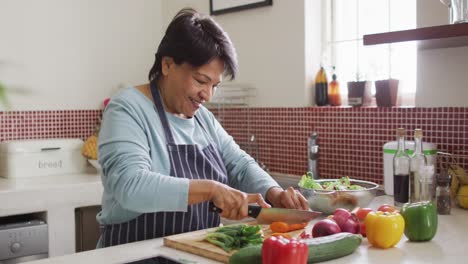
{"x":344,"y":183}
{"x":307,"y":181}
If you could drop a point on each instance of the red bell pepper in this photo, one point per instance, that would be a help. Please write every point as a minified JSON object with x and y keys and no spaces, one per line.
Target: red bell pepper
{"x":278,"y":250}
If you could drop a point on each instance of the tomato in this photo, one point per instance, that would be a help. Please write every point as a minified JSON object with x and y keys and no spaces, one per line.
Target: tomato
{"x":387,"y":208}
{"x":363,"y":228}
{"x":362,"y":213}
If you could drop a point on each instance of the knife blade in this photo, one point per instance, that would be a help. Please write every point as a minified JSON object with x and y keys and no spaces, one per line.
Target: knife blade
{"x":270,"y":215}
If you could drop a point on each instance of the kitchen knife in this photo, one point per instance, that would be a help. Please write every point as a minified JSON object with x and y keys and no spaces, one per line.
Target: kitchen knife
{"x":270,"y":215}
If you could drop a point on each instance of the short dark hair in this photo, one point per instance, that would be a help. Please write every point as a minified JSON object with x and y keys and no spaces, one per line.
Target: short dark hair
{"x":195,"y":39}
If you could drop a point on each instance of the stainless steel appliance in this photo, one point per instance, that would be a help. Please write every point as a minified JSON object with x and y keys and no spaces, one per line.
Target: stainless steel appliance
{"x":313,"y":155}
{"x":23,"y":241}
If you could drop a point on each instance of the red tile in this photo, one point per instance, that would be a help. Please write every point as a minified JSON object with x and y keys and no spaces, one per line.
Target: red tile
{"x":351,"y":139}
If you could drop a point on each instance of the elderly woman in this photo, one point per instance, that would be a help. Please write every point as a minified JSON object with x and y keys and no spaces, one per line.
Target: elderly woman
{"x":165,"y":157}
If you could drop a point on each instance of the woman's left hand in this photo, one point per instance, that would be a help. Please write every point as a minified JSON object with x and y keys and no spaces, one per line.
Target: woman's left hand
{"x":288,"y":198}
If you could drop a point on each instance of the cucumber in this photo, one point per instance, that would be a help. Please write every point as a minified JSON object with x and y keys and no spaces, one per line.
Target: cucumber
{"x":247,"y":255}
{"x":320,"y":249}
{"x":332,"y":247}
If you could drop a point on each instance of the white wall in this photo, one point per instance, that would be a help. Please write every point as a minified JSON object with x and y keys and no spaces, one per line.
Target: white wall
{"x":279,"y":57}
{"x":442,"y":73}
{"x":271,"y":47}
{"x":71,"y":54}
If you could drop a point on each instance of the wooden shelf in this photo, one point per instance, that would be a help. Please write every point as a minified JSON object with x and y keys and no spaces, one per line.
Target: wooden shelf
{"x":445,"y":36}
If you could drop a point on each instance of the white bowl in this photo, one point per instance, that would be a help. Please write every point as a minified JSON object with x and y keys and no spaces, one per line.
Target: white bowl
{"x":95,"y":164}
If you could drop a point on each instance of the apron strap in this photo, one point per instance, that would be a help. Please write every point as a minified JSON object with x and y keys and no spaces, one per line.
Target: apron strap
{"x":162,"y":114}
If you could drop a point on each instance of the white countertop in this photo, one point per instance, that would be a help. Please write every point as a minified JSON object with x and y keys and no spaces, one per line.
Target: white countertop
{"x":54,"y":200}
{"x":447,"y":247}
{"x":22,"y":194}
{"x":49,"y":182}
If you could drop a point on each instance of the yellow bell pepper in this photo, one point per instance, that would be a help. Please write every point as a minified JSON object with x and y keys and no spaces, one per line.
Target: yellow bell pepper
{"x":384,"y":229}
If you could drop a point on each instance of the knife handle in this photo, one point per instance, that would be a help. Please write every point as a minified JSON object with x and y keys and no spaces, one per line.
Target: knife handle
{"x":252,"y":211}
{"x":212,"y":208}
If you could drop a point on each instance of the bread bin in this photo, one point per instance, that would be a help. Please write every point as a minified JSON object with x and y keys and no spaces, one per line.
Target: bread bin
{"x":33,"y":158}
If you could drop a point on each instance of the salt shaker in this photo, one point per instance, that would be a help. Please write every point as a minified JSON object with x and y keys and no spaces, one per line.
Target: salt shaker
{"x":443,"y":194}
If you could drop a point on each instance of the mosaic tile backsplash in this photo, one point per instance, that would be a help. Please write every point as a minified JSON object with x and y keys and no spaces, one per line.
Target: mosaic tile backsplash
{"x":350,"y":139}
{"x":18,"y":125}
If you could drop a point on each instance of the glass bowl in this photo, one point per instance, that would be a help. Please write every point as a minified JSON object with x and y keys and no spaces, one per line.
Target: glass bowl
{"x":327,"y":201}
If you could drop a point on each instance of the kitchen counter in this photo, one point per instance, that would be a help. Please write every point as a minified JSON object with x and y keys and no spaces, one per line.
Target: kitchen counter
{"x":446,"y":247}
{"x":54,"y":200}
{"x":74,"y":189}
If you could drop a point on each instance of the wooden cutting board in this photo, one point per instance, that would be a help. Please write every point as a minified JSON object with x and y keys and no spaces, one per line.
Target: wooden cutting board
{"x":192,"y":242}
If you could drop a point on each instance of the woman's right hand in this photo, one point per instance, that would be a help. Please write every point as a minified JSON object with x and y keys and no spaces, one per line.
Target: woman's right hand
{"x":234,"y":203}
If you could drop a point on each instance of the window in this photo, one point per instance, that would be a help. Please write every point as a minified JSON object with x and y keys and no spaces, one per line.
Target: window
{"x":346,"y":23}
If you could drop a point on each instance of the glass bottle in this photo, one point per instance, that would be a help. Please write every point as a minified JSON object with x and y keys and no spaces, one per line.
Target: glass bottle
{"x":417,"y":162}
{"x":321,"y":88}
{"x":334,"y":96}
{"x":426,"y":180}
{"x":401,"y":171}
{"x":443,"y":194}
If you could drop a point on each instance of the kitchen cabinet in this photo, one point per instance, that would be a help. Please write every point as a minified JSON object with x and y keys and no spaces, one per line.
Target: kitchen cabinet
{"x":54,"y":200}
{"x":443,"y":36}
{"x":87,"y":230}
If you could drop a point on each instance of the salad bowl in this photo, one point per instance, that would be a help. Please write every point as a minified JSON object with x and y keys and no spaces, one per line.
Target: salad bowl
{"x":357,"y":194}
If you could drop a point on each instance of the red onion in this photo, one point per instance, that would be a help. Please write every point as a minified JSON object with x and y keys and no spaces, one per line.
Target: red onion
{"x":351,"y":225}
{"x":341,"y":216}
{"x":325,"y":227}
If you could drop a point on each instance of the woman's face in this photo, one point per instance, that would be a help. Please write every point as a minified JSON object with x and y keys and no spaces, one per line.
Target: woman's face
{"x":185,"y":88}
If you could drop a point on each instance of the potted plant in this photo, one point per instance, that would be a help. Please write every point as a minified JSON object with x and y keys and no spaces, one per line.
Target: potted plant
{"x":359,"y":92}
{"x":386,"y":87}
{"x":386,"y":92}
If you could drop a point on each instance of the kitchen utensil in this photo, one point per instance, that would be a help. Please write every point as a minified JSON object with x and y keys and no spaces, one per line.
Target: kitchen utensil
{"x":270,"y":215}
{"x":192,"y":242}
{"x":327,"y":201}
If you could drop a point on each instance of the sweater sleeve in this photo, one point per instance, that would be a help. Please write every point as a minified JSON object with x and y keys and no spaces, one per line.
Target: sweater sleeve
{"x":243,"y":171}
{"x":125,"y":157}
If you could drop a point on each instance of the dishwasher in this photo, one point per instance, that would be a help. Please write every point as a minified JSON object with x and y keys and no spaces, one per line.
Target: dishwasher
{"x":23,"y":240}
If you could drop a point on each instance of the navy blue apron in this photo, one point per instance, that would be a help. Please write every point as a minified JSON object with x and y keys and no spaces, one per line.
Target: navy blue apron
{"x":187,"y":161}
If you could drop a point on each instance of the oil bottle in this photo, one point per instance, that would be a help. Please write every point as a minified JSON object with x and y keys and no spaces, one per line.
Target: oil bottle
{"x":321,"y":88}
{"x":334,"y":96}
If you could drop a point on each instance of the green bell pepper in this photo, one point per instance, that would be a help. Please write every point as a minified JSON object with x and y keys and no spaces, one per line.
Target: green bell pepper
{"x":420,"y":220}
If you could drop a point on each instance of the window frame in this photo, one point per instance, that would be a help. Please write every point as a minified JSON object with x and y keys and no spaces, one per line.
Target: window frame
{"x":329,"y":53}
